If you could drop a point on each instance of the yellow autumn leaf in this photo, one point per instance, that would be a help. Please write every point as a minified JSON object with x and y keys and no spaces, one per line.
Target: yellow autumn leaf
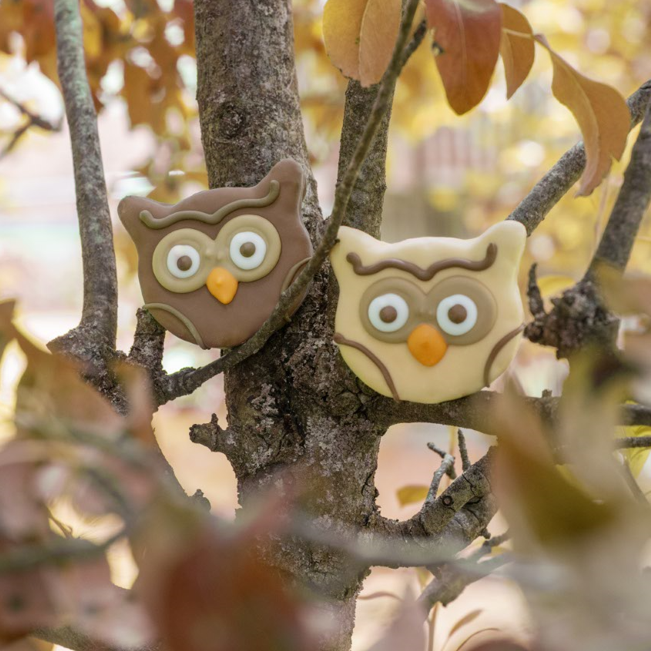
{"x":635,"y":457}
{"x":360,"y":36}
{"x":92,"y":32}
{"x":517,"y":48}
{"x":554,"y":284}
{"x":412,"y":494}
{"x":602,"y":114}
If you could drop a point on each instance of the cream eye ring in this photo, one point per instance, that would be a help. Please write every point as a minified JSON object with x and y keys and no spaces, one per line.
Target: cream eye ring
{"x":388,"y":313}
{"x":183,"y":261}
{"x":457,"y":315}
{"x":248,"y":250}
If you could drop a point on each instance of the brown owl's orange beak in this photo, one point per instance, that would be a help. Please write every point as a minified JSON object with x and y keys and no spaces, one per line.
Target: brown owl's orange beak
{"x":427,"y":345}
{"x":222,"y":285}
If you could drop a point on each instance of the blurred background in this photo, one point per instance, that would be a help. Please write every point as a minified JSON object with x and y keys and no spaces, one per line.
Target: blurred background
{"x":447,"y":176}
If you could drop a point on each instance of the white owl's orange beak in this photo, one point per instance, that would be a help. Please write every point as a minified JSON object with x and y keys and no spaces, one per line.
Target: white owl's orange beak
{"x":222,"y":285}
{"x":427,"y":345}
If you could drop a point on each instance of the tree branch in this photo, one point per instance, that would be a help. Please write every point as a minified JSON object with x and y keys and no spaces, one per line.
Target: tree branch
{"x":367,"y":199}
{"x":70,"y":638}
{"x":476,"y":412}
{"x":188,"y":380}
{"x":437,"y":513}
{"x":452,"y":580}
{"x":632,"y":202}
{"x":33,"y":120}
{"x":99,"y":316}
{"x":567,"y":171}
{"x":212,"y":436}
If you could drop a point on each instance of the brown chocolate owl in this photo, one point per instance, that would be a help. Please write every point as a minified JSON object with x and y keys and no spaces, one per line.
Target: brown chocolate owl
{"x":212,"y":267}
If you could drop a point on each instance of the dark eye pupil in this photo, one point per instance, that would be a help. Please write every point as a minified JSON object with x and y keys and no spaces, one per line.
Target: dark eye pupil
{"x":457,"y":314}
{"x":388,"y":314}
{"x":247,"y":249}
{"x":184,"y":263}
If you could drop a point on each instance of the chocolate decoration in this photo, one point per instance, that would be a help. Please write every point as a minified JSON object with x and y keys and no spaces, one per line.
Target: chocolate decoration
{"x":388,"y":314}
{"x":434,"y":319}
{"x":423,"y":307}
{"x":184,"y":263}
{"x":248,"y":249}
{"x":207,"y":222}
{"x":213,"y":218}
{"x":341,"y":340}
{"x":458,"y":314}
{"x":423,"y":274}
{"x":496,"y":350}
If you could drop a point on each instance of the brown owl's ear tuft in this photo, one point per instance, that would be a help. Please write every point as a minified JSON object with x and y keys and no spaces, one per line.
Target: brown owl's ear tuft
{"x":292,"y":184}
{"x":129,"y":211}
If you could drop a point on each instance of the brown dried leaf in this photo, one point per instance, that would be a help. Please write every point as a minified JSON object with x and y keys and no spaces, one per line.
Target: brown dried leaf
{"x":602,"y":114}
{"x":517,"y":48}
{"x":215,"y":594}
{"x":541,"y":505}
{"x":468,"y":33}
{"x":360,"y":36}
{"x":53,"y":397}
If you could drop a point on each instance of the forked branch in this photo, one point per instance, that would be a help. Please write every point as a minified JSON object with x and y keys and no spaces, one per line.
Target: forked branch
{"x":567,"y":171}
{"x":99,"y":317}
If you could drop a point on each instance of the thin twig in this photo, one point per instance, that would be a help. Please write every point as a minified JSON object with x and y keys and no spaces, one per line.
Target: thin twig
{"x":454,"y":580}
{"x":33,"y":120}
{"x":567,"y":171}
{"x":451,"y":472}
{"x":463,"y":451}
{"x":99,"y":315}
{"x":186,"y":381}
{"x":632,"y":202}
{"x":444,"y":469}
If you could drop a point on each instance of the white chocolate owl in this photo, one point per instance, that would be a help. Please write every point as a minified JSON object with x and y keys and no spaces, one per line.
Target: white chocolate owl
{"x":429,"y":319}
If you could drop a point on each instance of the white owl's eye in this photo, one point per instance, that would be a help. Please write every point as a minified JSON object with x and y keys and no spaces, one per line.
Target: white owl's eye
{"x":183,"y":261}
{"x":457,"y":315}
{"x":248,"y":250}
{"x":388,"y":313}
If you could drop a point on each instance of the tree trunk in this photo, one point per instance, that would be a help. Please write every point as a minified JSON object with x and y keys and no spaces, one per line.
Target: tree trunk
{"x":295,"y":411}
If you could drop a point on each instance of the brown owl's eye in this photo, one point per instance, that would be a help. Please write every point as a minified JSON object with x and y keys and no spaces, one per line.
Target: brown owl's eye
{"x":183,"y":261}
{"x":248,"y":250}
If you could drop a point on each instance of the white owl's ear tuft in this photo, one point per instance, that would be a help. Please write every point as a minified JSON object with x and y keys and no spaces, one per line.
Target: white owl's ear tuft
{"x":510,"y":238}
{"x":349,"y":240}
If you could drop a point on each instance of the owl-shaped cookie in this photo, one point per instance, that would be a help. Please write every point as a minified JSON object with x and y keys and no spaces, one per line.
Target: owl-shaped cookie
{"x":212,"y":267}
{"x":429,"y":319}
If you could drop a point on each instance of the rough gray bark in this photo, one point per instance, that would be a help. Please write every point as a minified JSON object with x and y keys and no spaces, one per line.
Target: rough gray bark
{"x":367,"y":200}
{"x":580,"y":316}
{"x":295,"y":411}
{"x":632,"y":202}
{"x":99,"y":316}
